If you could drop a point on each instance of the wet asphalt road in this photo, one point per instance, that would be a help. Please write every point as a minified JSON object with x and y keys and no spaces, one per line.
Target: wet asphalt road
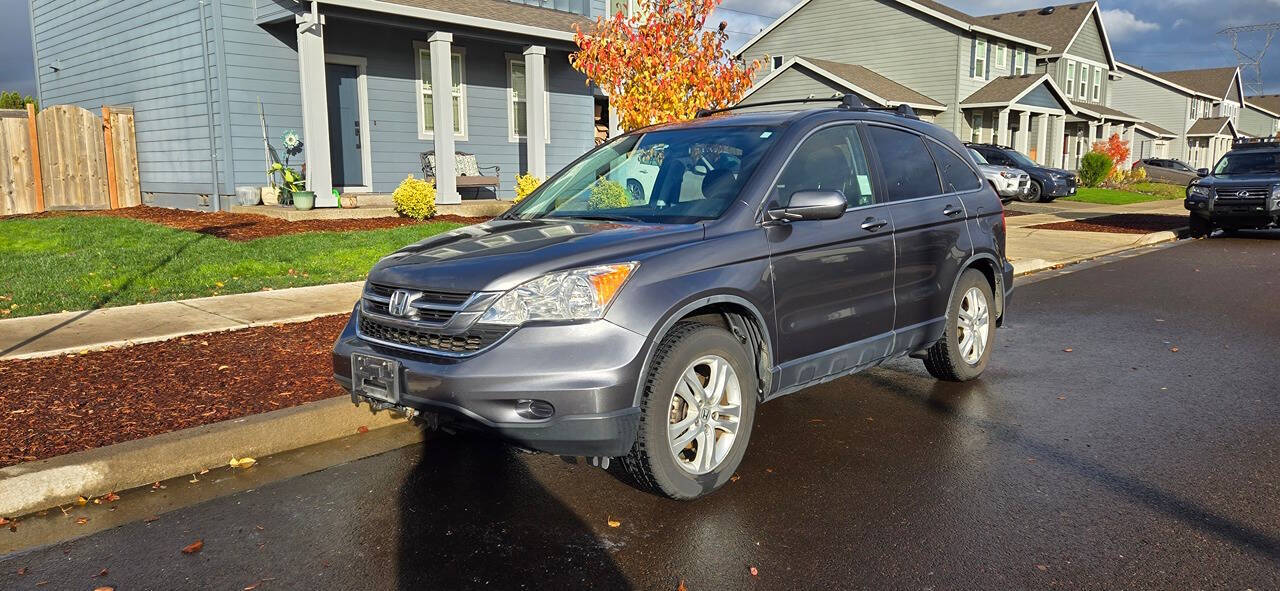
{"x":1118,"y":465}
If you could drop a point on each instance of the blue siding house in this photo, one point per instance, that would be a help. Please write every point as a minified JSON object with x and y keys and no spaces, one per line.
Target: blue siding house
{"x":363,"y":81}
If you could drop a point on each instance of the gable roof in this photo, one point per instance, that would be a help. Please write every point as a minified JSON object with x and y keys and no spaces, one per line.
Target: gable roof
{"x":1105,"y":112}
{"x":1210,"y":126}
{"x":936,"y":10}
{"x":1267,"y":103}
{"x":1058,"y":29}
{"x":1006,"y":90}
{"x":1160,"y":79}
{"x":499,"y":15}
{"x":1215,"y":82}
{"x":859,"y":80}
{"x":1156,"y":130}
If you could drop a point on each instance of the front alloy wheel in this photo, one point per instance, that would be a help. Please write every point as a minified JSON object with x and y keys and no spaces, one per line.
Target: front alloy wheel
{"x":706,"y":408}
{"x":1033,"y":193}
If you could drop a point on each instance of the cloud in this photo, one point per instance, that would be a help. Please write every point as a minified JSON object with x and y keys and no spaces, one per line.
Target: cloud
{"x":1122,"y":24}
{"x":1183,"y":21}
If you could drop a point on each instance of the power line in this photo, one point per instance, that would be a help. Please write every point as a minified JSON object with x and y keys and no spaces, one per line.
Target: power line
{"x":1251,"y":62}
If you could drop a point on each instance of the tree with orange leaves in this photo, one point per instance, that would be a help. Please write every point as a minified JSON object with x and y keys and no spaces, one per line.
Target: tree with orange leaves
{"x":1117,"y":149}
{"x":661,"y":64}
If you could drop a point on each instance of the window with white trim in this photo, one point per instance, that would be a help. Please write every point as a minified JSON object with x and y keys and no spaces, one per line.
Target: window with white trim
{"x":1071,"y":79}
{"x":518,"y":101}
{"x":1020,"y":62}
{"x":1084,"y":80}
{"x":1002,"y":59}
{"x":976,"y":136}
{"x":980,"y":58}
{"x":426,"y":110}
{"x":1097,"y":84}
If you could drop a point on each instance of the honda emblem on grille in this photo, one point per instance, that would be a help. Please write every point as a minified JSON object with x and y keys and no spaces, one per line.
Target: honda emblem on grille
{"x":1242,"y":193}
{"x":401,"y":300}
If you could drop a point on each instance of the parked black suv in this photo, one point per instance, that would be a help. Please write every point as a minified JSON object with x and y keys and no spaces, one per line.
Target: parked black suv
{"x":1241,"y":192}
{"x":1047,"y":183}
{"x":771,"y":251}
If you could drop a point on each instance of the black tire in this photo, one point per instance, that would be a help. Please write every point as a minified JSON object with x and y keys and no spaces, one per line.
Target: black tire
{"x":636,"y":190}
{"x":1034,"y":190}
{"x":1199,"y":226}
{"x":944,"y":360}
{"x":651,"y":465}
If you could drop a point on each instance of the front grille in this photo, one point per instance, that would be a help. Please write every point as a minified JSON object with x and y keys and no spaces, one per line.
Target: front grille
{"x":430,"y":342}
{"x":435,"y":307}
{"x":447,"y":298}
{"x":1250,"y":192}
{"x":421,"y":315}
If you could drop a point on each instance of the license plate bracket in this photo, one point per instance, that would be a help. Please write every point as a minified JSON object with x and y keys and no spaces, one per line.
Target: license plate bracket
{"x":374,"y":377}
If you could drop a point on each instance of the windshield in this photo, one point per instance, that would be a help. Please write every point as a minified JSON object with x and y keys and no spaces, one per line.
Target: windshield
{"x":1020,"y":159}
{"x":1249,"y":162}
{"x":978,"y":156}
{"x":676,"y":177}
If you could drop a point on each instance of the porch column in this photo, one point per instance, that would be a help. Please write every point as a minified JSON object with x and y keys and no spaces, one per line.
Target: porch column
{"x":1002,"y":128}
{"x":315,"y":107}
{"x":535,"y":79}
{"x":441,"y":45}
{"x":1093,"y":136}
{"x":1057,"y":140}
{"x":1021,"y":139}
{"x":1106,"y":131}
{"x":1042,"y":139}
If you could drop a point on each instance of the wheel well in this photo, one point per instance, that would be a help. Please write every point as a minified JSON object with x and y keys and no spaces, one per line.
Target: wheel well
{"x":994,"y":279}
{"x":744,"y":324}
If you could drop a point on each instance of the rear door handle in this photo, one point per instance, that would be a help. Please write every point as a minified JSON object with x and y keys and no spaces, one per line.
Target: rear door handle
{"x":873,"y":224}
{"x":951,"y":211}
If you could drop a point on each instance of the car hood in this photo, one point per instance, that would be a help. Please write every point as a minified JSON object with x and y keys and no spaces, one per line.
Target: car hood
{"x":501,"y":254}
{"x":993,"y":168}
{"x":1240,"y":180}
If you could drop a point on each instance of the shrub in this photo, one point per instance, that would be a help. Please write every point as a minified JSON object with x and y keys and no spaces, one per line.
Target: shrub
{"x":1094,"y":168}
{"x":525,"y":184}
{"x":1137,"y":175}
{"x":415,"y":198}
{"x":1118,"y":150}
{"x":12,"y":100}
{"x":607,"y":194}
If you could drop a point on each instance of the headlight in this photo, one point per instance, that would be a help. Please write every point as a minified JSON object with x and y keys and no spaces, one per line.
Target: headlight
{"x":1275,"y":192}
{"x":1008,"y":175}
{"x":1198,"y":191}
{"x":577,"y":294}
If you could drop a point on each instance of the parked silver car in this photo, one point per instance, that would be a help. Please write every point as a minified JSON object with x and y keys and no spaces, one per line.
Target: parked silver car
{"x":1168,"y":170}
{"x":1009,"y":182}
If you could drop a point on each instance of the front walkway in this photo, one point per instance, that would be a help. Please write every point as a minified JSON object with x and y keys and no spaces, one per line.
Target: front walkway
{"x":1035,"y":248}
{"x":73,"y":332}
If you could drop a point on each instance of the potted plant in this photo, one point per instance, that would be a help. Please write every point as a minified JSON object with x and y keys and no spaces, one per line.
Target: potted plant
{"x":293,"y":185}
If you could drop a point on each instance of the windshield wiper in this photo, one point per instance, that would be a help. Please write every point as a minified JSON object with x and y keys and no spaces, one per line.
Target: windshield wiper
{"x":606,"y":218}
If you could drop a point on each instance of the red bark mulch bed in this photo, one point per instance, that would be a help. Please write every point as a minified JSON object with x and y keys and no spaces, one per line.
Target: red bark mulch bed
{"x":1122,"y":223}
{"x":58,"y":405}
{"x":244,"y":226}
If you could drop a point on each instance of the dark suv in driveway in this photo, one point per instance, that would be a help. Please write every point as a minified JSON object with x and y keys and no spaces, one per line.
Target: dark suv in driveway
{"x":1241,"y":192}
{"x":771,"y":251}
{"x":1047,"y":183}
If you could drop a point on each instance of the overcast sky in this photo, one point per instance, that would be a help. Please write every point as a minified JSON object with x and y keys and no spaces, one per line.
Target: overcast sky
{"x":1155,"y":34}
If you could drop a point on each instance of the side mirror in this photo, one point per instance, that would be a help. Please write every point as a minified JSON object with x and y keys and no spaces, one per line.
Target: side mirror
{"x":810,"y":205}
{"x":1202,"y":172}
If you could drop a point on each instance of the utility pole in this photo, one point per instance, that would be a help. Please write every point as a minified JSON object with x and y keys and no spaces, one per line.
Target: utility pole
{"x":1249,"y":55}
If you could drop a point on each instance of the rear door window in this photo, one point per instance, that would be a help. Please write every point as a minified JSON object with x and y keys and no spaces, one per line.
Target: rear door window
{"x":957,"y":176}
{"x":905,"y":164}
{"x":831,"y":159}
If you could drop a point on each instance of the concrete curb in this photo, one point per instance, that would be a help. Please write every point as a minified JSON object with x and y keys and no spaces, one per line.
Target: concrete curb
{"x":1029,"y":266}
{"x":32,"y":486}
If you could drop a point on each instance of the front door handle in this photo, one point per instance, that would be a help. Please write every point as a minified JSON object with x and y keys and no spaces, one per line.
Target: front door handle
{"x":873,"y":224}
{"x":951,"y":211}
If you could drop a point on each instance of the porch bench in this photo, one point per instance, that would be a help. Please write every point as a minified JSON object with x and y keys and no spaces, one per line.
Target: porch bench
{"x":468,"y":171}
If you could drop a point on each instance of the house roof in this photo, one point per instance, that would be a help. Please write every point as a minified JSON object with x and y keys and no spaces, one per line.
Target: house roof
{"x":1269,"y":103}
{"x":929,"y":7}
{"x":1215,"y":82}
{"x":1010,"y":89}
{"x":1106,"y":112}
{"x":500,"y":15}
{"x":1156,"y":129}
{"x":1057,"y":29}
{"x":1210,"y":126}
{"x":891,"y":92}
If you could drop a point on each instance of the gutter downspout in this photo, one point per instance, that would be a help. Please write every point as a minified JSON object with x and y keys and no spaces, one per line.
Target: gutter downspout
{"x":215,"y":199}
{"x":957,"y":120}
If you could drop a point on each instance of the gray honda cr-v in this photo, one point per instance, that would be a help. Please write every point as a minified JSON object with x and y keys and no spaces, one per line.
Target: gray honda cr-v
{"x":644,"y":301}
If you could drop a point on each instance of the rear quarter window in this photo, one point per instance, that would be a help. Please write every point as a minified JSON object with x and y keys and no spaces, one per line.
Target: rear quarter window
{"x":956,"y":175}
{"x":905,"y":163}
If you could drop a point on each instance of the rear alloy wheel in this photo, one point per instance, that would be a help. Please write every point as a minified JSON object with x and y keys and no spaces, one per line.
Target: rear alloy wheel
{"x":1033,"y":193}
{"x":965,"y":348}
{"x":698,"y":407}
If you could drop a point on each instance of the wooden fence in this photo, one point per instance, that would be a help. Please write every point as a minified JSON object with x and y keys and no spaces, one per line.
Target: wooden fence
{"x":66,"y":157}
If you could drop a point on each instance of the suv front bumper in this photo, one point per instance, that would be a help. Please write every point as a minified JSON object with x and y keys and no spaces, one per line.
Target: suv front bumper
{"x":1059,"y":187}
{"x":587,"y":372}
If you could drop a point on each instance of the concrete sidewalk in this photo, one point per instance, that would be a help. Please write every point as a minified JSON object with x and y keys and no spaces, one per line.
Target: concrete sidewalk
{"x":1032,"y":249}
{"x":72,"y":332}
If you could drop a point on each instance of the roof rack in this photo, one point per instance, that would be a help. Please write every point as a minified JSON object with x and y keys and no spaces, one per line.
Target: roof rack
{"x":847,"y":101}
{"x":1256,"y":142}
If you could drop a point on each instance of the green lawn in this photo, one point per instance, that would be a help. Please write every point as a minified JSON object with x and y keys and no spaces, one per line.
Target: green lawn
{"x":1138,"y":193}
{"x":83,"y":262}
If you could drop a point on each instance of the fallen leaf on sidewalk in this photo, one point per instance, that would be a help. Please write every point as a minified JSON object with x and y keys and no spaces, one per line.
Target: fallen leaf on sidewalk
{"x":244,"y":462}
{"x":82,"y":501}
{"x":193,"y":547}
{"x":102,"y":573}
{"x":362,"y":429}
{"x":111,"y":497}
{"x":82,"y":520}
{"x":1173,"y":349}
{"x":1067,"y":350}
{"x":614,"y":523}
{"x":104,"y":588}
{"x":681,"y":586}
{"x":253,"y":586}
{"x":4,"y":521}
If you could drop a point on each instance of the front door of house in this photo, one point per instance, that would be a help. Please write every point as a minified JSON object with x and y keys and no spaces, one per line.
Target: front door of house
{"x":346,"y":139}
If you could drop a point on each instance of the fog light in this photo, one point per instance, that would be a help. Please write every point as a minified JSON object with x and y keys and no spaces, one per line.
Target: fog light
{"x":535,"y":409}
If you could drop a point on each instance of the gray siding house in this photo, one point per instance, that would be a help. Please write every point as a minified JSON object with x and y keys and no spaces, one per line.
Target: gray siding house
{"x":368,"y":84}
{"x":1201,"y":108}
{"x":1261,"y":116}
